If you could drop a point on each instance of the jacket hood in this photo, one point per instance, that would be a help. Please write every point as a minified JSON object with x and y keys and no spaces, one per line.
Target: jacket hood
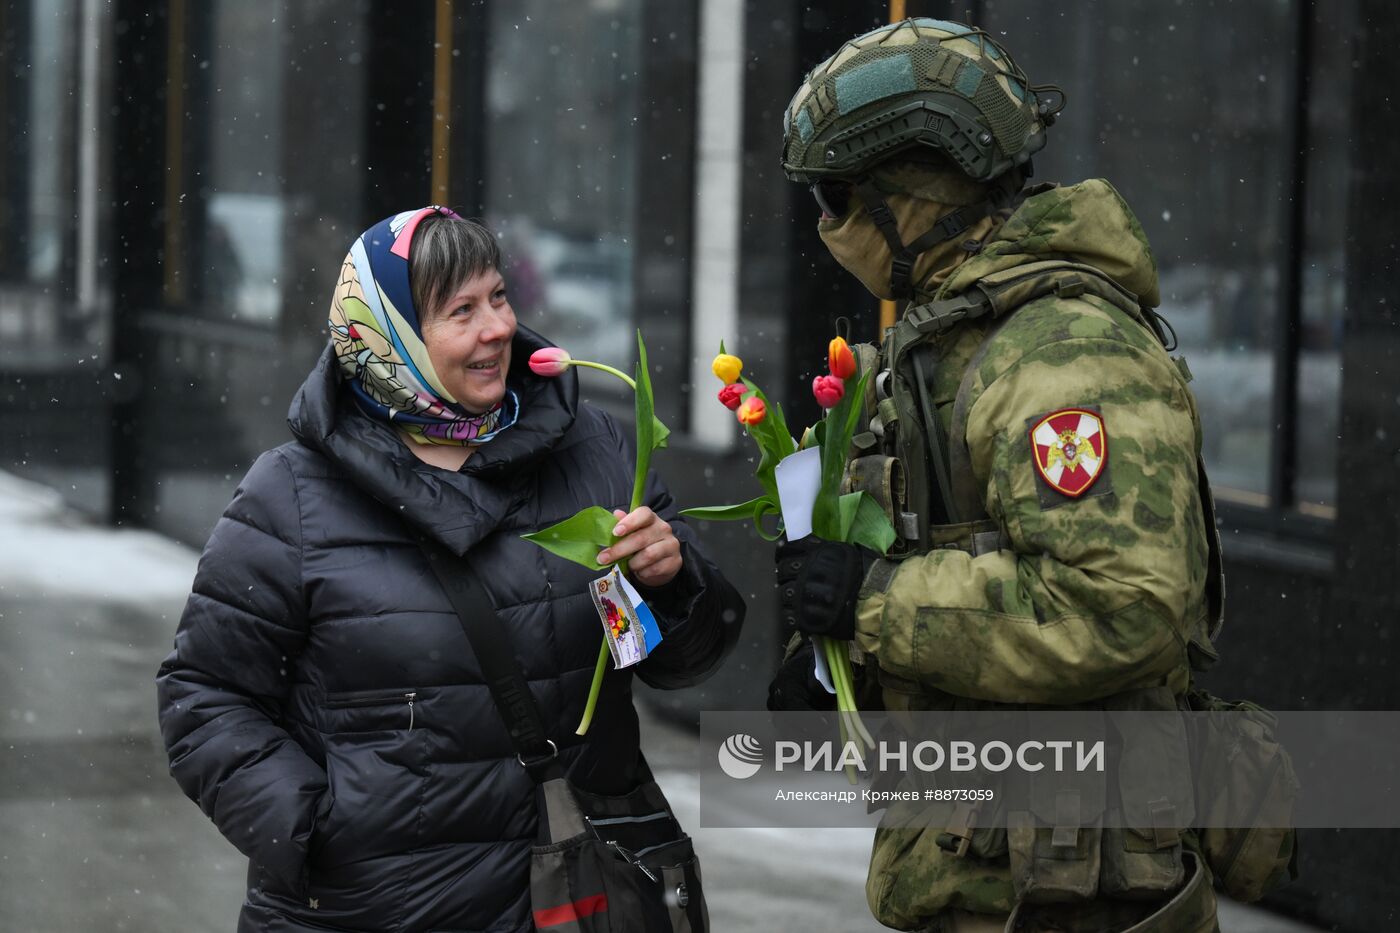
{"x":1087,"y":223}
{"x":459,"y":508}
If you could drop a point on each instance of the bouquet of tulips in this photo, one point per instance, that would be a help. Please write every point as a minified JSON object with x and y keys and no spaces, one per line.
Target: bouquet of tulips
{"x":852,"y":517}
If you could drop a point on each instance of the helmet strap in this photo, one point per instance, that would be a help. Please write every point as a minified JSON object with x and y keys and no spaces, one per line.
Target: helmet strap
{"x":950,"y":225}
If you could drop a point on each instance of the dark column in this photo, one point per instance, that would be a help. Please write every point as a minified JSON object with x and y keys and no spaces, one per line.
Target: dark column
{"x":467,"y":181}
{"x":663,"y":227}
{"x":138,"y":223}
{"x":399,"y":104}
{"x":16,"y":49}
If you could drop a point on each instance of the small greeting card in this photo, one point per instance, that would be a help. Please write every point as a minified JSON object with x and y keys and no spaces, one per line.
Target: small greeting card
{"x":630,"y":627}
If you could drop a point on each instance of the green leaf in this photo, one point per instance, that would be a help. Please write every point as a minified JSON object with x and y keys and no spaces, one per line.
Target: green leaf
{"x":774,"y":428}
{"x":871,"y":528}
{"x":579,"y":538}
{"x":755,"y":510}
{"x":727,"y":513}
{"x":846,"y":512}
{"x":651,"y":433}
{"x":768,"y":508}
{"x":773,"y":439}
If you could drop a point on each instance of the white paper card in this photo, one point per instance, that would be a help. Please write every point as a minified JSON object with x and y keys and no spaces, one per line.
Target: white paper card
{"x":799,"y":477}
{"x":628,"y":622}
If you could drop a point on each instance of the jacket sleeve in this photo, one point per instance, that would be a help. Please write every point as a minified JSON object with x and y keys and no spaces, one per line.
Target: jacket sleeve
{"x":1095,"y":594}
{"x":221,"y":690}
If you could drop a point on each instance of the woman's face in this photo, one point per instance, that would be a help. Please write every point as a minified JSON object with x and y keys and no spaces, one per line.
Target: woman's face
{"x":468,"y":339}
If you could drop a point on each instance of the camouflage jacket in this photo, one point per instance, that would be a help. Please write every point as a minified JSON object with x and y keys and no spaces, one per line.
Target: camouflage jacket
{"x":1091,"y":595}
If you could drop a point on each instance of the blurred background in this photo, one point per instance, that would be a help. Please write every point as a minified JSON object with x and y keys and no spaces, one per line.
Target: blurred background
{"x":180,"y":180}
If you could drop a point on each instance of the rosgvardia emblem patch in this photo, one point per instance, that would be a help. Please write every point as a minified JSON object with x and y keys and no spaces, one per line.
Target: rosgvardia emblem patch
{"x":1070,"y":447}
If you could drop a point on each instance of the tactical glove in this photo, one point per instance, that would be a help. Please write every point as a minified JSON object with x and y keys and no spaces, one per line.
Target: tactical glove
{"x":795,"y":686}
{"x":818,"y":582}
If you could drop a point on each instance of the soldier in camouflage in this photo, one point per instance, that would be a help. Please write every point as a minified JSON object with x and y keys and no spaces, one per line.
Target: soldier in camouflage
{"x":1057,"y":546}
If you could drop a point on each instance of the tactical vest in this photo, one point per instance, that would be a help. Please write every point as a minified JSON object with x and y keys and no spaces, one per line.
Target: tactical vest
{"x":923,"y":479}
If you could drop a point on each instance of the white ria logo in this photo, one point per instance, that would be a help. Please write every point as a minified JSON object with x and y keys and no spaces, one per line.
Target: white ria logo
{"x":740,"y":756}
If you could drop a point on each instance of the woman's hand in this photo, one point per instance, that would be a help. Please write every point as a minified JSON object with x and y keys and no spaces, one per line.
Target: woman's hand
{"x":651,"y":546}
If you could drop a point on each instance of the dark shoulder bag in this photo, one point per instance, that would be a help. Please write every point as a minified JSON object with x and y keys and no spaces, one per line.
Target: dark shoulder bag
{"x":600,"y":864}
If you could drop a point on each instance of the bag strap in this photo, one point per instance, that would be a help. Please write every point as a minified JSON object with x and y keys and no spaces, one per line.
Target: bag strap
{"x":487,"y":636}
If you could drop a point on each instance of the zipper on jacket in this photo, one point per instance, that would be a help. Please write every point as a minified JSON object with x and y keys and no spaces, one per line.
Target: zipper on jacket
{"x":374,"y":698}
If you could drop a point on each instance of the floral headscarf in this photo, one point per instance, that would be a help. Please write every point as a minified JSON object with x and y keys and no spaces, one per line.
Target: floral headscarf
{"x":379,"y":341}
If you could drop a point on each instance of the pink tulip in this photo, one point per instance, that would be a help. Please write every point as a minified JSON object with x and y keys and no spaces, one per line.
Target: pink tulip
{"x":549,"y":361}
{"x":829,"y":390}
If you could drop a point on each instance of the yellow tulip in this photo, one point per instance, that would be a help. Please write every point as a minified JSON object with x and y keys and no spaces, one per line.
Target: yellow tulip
{"x":727,"y":367}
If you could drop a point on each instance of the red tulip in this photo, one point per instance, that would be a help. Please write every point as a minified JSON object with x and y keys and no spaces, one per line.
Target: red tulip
{"x":829,"y":390}
{"x":549,"y":361}
{"x":752,"y":411}
{"x":840,"y":360}
{"x":731,"y":395}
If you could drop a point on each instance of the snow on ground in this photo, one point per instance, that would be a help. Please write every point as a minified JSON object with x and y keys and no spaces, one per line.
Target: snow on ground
{"x":46,"y":550}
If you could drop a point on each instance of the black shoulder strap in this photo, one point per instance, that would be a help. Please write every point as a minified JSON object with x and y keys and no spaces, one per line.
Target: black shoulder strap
{"x":494,"y":653}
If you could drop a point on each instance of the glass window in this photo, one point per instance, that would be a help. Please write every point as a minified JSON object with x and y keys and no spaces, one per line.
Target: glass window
{"x":40,"y":97}
{"x":1186,"y":109}
{"x":562,"y":110}
{"x":236,"y":152}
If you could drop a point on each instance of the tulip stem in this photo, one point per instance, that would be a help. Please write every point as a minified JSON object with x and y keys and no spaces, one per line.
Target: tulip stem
{"x":592,"y":704}
{"x":638,"y":488}
{"x":603,"y":367}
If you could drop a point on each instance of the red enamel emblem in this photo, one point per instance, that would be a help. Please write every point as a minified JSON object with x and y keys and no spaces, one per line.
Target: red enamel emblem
{"x":1070,"y":448}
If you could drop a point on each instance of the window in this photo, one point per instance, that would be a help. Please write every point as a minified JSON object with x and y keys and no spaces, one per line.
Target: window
{"x":1190,"y":110}
{"x":232,"y":205}
{"x":562,"y":105}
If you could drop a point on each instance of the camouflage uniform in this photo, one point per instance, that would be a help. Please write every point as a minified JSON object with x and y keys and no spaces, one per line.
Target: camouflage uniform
{"x":1088,"y":597}
{"x":1095,"y":599}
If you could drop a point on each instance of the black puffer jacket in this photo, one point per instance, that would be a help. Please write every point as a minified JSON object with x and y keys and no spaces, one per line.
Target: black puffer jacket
{"x":322,"y":704}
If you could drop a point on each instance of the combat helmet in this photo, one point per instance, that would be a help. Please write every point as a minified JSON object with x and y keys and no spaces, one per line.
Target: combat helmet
{"x":918,"y":88}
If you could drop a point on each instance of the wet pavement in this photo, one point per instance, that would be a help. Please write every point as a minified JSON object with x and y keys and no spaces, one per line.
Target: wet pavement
{"x":96,"y":836}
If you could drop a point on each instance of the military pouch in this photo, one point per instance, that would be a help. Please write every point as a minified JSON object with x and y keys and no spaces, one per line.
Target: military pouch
{"x":1134,"y":867}
{"x":1055,"y":845}
{"x":1142,"y":847}
{"x":883,"y":478}
{"x":1245,"y":822}
{"x":1051,"y":864}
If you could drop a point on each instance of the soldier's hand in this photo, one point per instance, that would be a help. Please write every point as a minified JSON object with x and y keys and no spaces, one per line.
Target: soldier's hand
{"x":795,"y":686}
{"x":818,"y":582}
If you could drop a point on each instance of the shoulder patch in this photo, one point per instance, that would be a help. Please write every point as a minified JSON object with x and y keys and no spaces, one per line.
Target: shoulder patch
{"x":1070,"y":449}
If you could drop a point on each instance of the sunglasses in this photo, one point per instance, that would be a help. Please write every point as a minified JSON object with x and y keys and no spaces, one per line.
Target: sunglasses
{"x":833,"y":197}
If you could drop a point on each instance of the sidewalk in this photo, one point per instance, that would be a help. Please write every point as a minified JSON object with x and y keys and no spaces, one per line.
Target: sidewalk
{"x":99,"y":838}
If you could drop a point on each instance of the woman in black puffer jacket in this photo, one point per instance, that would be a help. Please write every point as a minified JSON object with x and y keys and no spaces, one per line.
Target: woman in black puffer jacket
{"x":322,"y":704}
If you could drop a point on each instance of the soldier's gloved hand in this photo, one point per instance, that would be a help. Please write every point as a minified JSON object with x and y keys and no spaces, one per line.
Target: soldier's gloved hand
{"x":795,"y":686}
{"x":818,"y":582}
